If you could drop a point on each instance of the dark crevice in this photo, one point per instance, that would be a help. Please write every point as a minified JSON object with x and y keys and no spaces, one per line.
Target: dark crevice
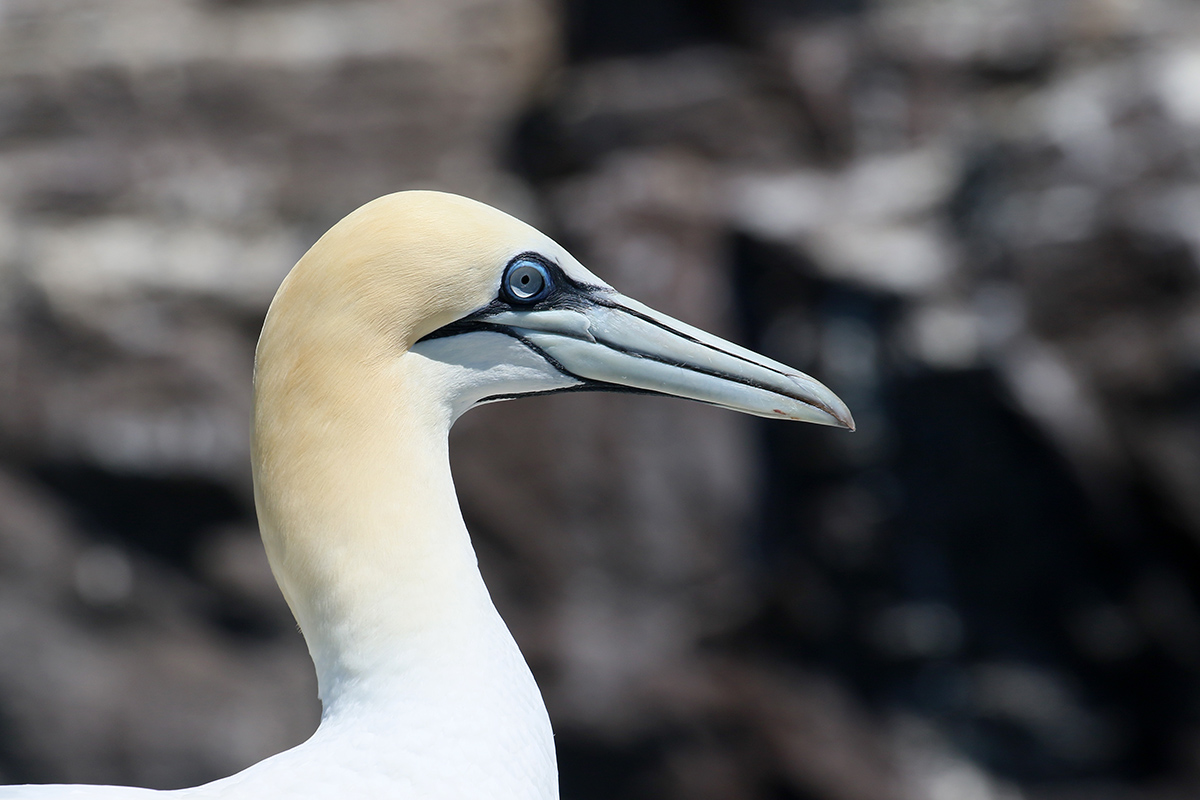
{"x":976,"y":514}
{"x":163,"y":516}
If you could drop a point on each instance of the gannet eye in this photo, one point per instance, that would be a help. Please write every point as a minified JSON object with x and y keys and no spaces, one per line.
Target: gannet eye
{"x":526,"y":282}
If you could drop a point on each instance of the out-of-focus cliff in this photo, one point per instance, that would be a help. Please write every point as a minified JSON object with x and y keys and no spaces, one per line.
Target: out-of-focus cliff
{"x":977,"y":220}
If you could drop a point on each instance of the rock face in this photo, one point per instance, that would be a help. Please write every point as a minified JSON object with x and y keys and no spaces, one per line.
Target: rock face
{"x":978,"y":222}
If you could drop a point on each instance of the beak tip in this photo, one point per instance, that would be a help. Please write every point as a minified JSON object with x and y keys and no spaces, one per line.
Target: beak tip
{"x":843,"y":420}
{"x":832,"y":409}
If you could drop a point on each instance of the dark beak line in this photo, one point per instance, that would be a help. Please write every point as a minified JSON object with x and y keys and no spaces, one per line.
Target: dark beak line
{"x":480,"y":323}
{"x":579,"y":298}
{"x":658,"y":324}
{"x":714,"y":373}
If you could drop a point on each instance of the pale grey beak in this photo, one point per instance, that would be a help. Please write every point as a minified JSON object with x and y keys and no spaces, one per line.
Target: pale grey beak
{"x":610,"y":340}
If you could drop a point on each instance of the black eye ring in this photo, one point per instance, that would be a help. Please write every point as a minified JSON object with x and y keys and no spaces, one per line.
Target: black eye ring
{"x":526,"y":282}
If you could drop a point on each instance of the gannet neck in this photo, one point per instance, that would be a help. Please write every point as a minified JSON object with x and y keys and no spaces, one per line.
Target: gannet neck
{"x":359,"y":515}
{"x":362,"y":528}
{"x":352,"y":477}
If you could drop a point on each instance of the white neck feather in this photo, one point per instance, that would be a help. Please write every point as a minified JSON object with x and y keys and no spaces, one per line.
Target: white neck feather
{"x":363,"y":529}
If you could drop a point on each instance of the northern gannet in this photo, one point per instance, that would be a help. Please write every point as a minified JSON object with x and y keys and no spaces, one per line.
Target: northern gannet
{"x":408,"y":312}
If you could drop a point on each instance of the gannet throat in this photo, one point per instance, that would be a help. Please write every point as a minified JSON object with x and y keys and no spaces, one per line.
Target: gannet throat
{"x":404,"y":315}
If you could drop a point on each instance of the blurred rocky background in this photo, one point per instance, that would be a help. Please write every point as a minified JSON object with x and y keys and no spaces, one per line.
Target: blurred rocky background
{"x":978,"y":221}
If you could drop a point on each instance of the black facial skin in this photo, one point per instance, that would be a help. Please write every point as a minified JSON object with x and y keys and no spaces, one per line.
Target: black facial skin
{"x":565,"y":293}
{"x":568,"y":294}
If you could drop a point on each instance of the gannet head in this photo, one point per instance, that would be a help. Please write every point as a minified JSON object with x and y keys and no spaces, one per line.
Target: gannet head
{"x":405,"y":314}
{"x":509,"y":312}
